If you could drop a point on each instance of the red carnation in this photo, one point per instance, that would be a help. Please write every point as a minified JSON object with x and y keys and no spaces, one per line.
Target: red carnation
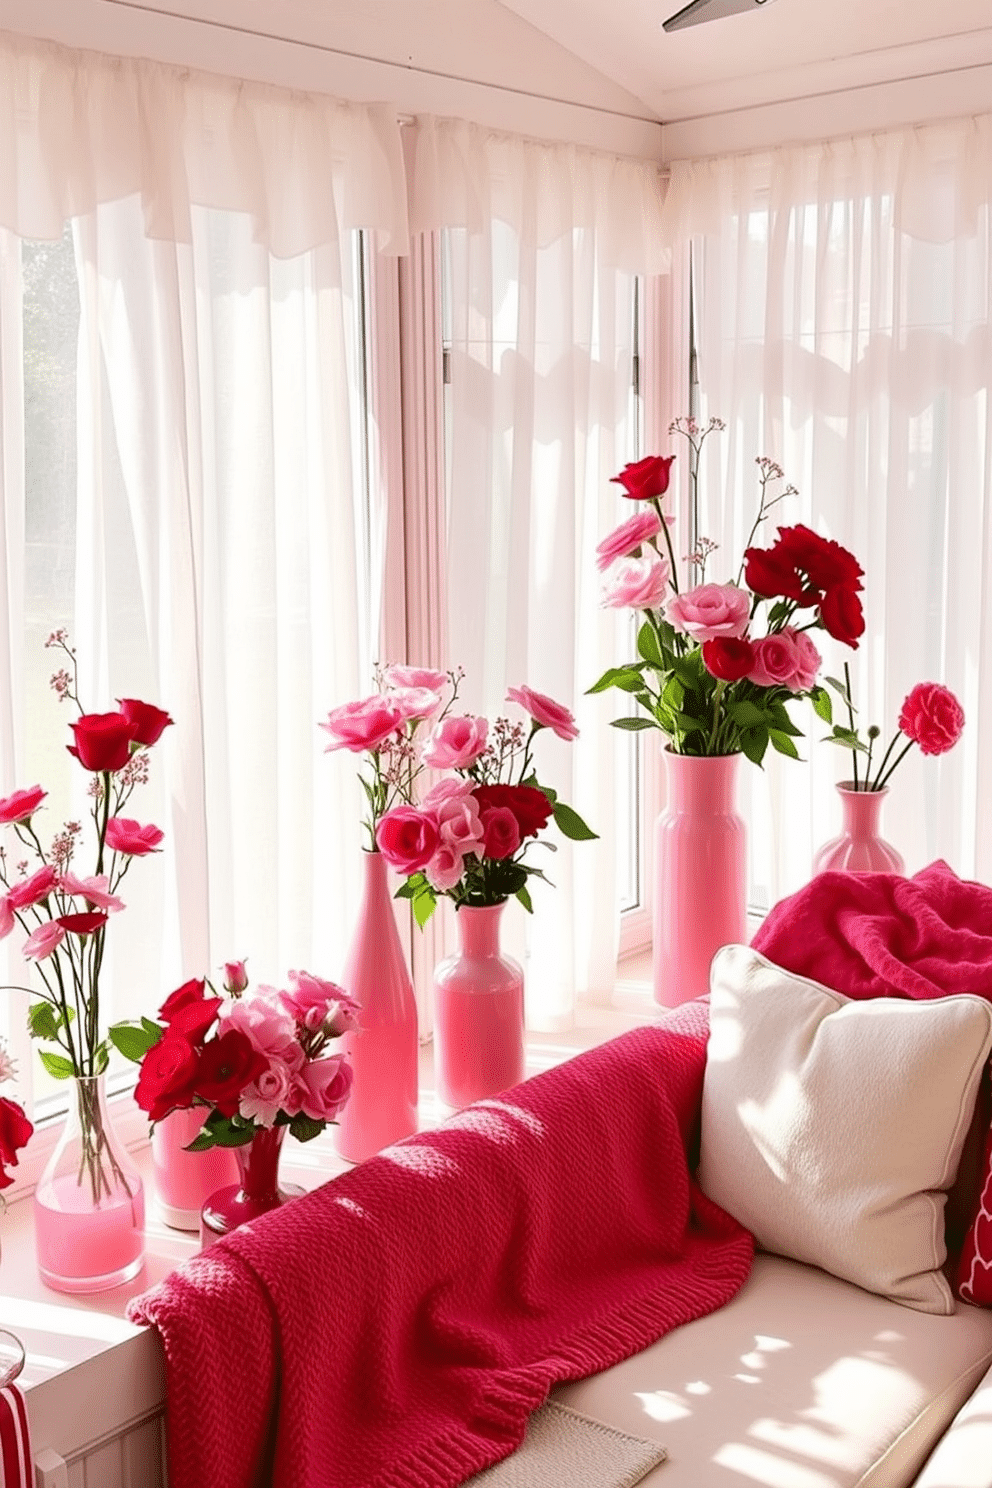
{"x":841,"y":615}
{"x":103,"y":741}
{"x":149,"y":722}
{"x":932,"y":717}
{"x":227,"y":1065}
{"x":728,"y":658}
{"x":770,"y":573}
{"x":646,"y":479}
{"x":82,"y":924}
{"x":167,"y":1077}
{"x":529,"y":805}
{"x":824,"y":562}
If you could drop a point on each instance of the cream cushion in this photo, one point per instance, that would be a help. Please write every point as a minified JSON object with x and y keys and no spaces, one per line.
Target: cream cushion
{"x":801,"y":1381}
{"x":832,"y":1129}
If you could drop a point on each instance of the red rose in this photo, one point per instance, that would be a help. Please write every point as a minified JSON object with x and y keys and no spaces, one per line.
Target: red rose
{"x":15,"y":1130}
{"x":21,"y":804}
{"x":647,"y":478}
{"x":407,"y":838}
{"x":728,"y":658}
{"x":103,"y":741}
{"x":824,"y":562}
{"x":195,"y":1020}
{"x":149,"y":722}
{"x":191,"y":991}
{"x":82,"y":924}
{"x":32,"y":890}
{"x":529,"y":805}
{"x":932,"y":717}
{"x":769,"y":572}
{"x":500,"y":832}
{"x":227,"y":1065}
{"x":842,"y":616}
{"x":167,"y":1077}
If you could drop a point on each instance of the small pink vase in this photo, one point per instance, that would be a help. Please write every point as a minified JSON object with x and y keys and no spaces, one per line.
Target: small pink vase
{"x":257,"y":1191}
{"x":384,"y":1049}
{"x":700,"y":899}
{"x":185,"y":1180}
{"x":478,"y":1013}
{"x":859,"y":848}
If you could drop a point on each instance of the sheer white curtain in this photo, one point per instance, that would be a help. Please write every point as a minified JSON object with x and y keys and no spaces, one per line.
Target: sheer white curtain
{"x":542,"y":243}
{"x":844,"y":328}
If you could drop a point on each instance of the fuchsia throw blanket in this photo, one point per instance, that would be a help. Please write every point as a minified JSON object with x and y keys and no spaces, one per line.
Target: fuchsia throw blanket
{"x":880,"y":935}
{"x":395,"y":1328}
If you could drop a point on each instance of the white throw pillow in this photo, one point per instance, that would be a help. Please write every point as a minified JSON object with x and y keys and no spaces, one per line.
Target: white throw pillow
{"x":832,"y":1129}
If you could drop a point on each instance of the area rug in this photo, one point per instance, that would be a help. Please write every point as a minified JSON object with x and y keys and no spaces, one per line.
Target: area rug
{"x":562,"y":1446}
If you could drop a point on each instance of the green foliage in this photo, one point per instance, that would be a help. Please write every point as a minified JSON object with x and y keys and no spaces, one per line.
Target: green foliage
{"x":133,"y":1040}
{"x":571,"y":825}
{"x":846,"y":738}
{"x":525,"y":899}
{"x":633,"y":725}
{"x":648,"y":645}
{"x":43,"y":1021}
{"x":822,"y":706}
{"x":222,"y":1131}
{"x":304,"y":1128}
{"x":56,"y":1064}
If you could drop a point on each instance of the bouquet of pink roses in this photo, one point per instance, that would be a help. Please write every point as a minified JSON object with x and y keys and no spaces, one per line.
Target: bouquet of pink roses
{"x":468,"y":836}
{"x":251,"y":1060}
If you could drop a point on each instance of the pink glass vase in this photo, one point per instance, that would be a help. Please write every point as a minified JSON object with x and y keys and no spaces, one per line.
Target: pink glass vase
{"x":257,"y":1191}
{"x":859,"y":848}
{"x":185,"y":1180}
{"x":700,"y":897}
{"x":478,"y":1013}
{"x":89,"y":1206}
{"x":384,"y":1050}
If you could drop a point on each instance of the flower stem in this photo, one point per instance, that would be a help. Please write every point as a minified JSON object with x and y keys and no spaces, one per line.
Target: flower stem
{"x":850,"y":714}
{"x":881,"y":780}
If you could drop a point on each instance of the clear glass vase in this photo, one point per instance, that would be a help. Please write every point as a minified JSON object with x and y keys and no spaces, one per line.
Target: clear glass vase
{"x":89,"y":1206}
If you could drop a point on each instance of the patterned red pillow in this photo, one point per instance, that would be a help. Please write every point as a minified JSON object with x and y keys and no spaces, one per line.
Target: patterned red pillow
{"x":974,"y":1277}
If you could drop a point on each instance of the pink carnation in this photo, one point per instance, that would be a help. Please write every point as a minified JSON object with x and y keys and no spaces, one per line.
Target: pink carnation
{"x":456,"y":743}
{"x":545,"y":712}
{"x":21,"y":804}
{"x":412,"y":676}
{"x":628,"y":537}
{"x":94,"y":890}
{"x":932,"y":716}
{"x":132,"y":839}
{"x":637,"y":583}
{"x":43,"y":941}
{"x":34,"y":889}
{"x":710,"y":611}
{"x":366,"y":724}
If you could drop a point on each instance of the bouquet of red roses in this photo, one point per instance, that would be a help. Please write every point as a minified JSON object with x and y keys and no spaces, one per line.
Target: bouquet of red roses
{"x":251,"y":1060}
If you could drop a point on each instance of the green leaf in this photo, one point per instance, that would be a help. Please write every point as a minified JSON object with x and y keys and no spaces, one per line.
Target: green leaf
{"x":407,"y":890}
{"x":524,"y":896}
{"x":746,"y":715}
{"x":304,"y":1128}
{"x":424,"y":905}
{"x":822,"y":706}
{"x":633,"y":724}
{"x":853,"y":743}
{"x":221,"y":1131}
{"x":673,"y":692}
{"x":841,"y":689}
{"x":151,"y":1027}
{"x":133,"y":1039}
{"x":689,"y":725}
{"x":43,"y":1022}
{"x":647,"y":645}
{"x":56,"y":1064}
{"x":778,"y":611}
{"x":754,"y":742}
{"x":783,"y":743}
{"x":612,"y":677}
{"x":101,"y":1059}
{"x":570,"y":823}
{"x":778,"y":717}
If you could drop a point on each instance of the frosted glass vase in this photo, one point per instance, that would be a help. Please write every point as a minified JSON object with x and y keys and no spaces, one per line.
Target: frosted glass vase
{"x":478,"y":1013}
{"x":384,"y":1049}
{"x":860,"y":848}
{"x":185,"y":1180}
{"x":700,"y":896}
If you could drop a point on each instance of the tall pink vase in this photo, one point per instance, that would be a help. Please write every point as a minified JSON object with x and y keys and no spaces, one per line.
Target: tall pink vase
{"x":478,"y":1013}
{"x":700,"y":898}
{"x":859,"y":848}
{"x":185,"y":1180}
{"x":382,"y":1106}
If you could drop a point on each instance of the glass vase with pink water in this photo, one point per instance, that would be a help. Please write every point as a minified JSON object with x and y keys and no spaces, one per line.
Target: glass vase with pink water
{"x":89,"y":1206}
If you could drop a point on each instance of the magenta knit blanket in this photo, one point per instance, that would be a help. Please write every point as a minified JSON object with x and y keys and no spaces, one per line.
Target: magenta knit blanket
{"x":395,"y":1328}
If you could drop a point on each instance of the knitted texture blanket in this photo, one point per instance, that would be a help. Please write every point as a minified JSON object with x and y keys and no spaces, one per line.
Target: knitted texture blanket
{"x":396,"y":1328}
{"x":882,"y":935}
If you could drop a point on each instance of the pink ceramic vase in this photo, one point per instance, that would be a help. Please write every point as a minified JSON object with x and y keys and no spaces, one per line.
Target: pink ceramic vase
{"x":478,"y":1013}
{"x":257,"y":1191}
{"x":384,"y":1049}
{"x":859,"y":848}
{"x":700,"y":900}
{"x":185,"y":1180}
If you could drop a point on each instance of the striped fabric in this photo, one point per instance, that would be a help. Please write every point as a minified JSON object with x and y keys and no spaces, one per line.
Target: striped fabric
{"x":15,"y":1440}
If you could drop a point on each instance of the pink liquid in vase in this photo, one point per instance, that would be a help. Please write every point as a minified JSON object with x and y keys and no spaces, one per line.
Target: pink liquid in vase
{"x":85,"y":1249}
{"x":185,"y":1180}
{"x":478,"y":1013}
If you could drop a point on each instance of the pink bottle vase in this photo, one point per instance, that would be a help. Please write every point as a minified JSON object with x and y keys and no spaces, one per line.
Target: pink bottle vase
{"x":478,"y":1013}
{"x":185,"y":1180}
{"x":700,"y":899}
{"x":256,"y":1188}
{"x":382,"y":1106}
{"x":859,"y":848}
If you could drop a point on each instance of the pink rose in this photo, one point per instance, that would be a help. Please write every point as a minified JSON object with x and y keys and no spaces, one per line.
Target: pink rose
{"x":265,"y":1023}
{"x":320,"y":1004}
{"x":545,"y":712}
{"x":932,"y":716}
{"x":368,"y":723}
{"x":235,"y":977}
{"x":452,"y":788}
{"x":414,"y":702}
{"x":34,"y":889}
{"x":7,"y":921}
{"x":412,"y":676}
{"x":129,"y":837}
{"x":628,"y":537}
{"x":710,"y":611}
{"x":322,"y":1087}
{"x":458,"y":824}
{"x":779,"y":662}
{"x":445,"y":868}
{"x":94,"y":890}
{"x":637,"y":583}
{"x":456,"y":743}
{"x":501,"y":832}
{"x":43,"y":941}
{"x":21,"y":804}
{"x":271,"y":1091}
{"x":810,"y":661}
{"x":407,"y":838}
